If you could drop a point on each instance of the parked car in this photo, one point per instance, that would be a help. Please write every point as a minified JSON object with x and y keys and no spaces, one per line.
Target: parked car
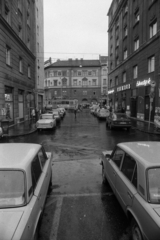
{"x":56,"y":115}
{"x":25,"y":177}
{"x":133,"y":171}
{"x":119,"y":120}
{"x":103,"y":113}
{"x":46,"y":121}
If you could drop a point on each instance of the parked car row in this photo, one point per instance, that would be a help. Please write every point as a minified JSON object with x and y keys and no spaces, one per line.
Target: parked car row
{"x":50,"y":119}
{"x":99,"y":112}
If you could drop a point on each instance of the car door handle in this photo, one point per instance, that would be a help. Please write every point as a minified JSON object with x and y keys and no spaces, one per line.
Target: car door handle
{"x":130,"y":195}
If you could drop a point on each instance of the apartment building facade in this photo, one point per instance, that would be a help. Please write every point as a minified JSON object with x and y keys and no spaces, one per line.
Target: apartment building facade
{"x":75,"y":79}
{"x":39,"y":54}
{"x":134,"y":52}
{"x":17,"y":59}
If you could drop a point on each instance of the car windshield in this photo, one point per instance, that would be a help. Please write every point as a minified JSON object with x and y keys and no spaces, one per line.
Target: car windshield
{"x":12,"y":193}
{"x":154,"y":185}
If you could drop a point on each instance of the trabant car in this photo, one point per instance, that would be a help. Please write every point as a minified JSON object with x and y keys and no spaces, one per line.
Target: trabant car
{"x":25,"y":177}
{"x":46,"y":121}
{"x":103,"y":113}
{"x":133,"y":171}
{"x":118,"y":120}
{"x":56,"y":115}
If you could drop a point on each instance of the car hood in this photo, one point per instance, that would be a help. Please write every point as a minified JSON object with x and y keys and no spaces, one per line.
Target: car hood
{"x":45,"y":120}
{"x":9,"y":221}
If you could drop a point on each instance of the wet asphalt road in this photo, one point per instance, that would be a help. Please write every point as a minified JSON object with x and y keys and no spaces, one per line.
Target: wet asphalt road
{"x":79,"y":206}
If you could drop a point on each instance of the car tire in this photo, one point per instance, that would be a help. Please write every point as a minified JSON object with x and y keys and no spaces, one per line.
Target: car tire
{"x":104,"y":180}
{"x":135,"y":231}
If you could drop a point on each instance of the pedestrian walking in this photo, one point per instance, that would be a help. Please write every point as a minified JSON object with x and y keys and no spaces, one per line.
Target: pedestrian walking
{"x":75,"y":111}
{"x":33,"y":114}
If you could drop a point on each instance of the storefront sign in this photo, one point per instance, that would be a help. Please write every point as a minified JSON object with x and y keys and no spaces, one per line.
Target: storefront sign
{"x":143,"y":83}
{"x":111,"y":91}
{"x":124,"y":87}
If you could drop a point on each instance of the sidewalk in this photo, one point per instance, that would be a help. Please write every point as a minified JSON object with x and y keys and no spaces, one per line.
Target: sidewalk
{"x":28,"y":127}
{"x":144,"y":126}
{"x":21,"y":129}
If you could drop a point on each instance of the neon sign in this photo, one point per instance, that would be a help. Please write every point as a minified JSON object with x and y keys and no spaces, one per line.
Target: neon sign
{"x":111,"y":91}
{"x":143,"y":83}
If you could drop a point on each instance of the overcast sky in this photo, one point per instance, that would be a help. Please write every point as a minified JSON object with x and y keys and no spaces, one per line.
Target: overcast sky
{"x":75,"y":28}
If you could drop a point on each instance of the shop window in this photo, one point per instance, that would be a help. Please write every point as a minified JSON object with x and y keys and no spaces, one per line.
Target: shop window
{"x":55,"y":83}
{"x":20,"y":65}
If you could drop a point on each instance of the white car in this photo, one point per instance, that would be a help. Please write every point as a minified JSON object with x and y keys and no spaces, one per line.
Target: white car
{"x":133,"y":171}
{"x":46,"y":121}
{"x":103,"y":113}
{"x":55,"y":114}
{"x":25,"y":177}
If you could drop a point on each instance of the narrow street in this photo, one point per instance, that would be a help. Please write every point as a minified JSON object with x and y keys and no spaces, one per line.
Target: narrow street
{"x":79,"y":206}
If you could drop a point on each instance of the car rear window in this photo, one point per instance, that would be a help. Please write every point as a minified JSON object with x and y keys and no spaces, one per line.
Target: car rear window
{"x":12,"y":190}
{"x":154,"y":185}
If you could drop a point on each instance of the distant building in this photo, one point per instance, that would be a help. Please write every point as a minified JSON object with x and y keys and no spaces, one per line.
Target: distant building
{"x":134,"y":50}
{"x":18,"y":66}
{"x":75,"y":79}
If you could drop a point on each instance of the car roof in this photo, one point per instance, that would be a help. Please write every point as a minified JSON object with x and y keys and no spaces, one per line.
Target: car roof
{"x":147,"y":153}
{"x":17,"y":155}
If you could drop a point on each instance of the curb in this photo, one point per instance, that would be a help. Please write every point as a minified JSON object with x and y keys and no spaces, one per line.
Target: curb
{"x":21,"y":134}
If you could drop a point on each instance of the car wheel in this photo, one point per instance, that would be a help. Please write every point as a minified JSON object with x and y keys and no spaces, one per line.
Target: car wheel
{"x":135,"y":231}
{"x":104,"y":180}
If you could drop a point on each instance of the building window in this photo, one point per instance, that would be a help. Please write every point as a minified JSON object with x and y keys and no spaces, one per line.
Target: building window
{"x":124,"y":77}
{"x":59,"y":73}
{"x":125,"y":31}
{"x":89,"y":73}
{"x":37,"y":47}
{"x":84,"y":92}
{"x":64,"y":73}
{"x":20,"y":5}
{"x":111,"y":52}
{"x":117,"y":42}
{"x":8,"y":55}
{"x":7,"y":13}
{"x":55,"y":83}
{"x":111,"y":66}
{"x":55,"y":73}
{"x":151,"y":64}
{"x":74,"y":74}
{"x":84,"y":82}
{"x":64,"y":93}
{"x":104,"y":81}
{"x":79,"y":73}
{"x":37,"y":12}
{"x":125,"y":53}
{"x":136,"y":44}
{"x":29,"y":71}
{"x":93,"y":73}
{"x":117,"y":61}
{"x":75,"y":82}
{"x":20,"y":65}
{"x":136,"y":17}
{"x":9,"y":102}
{"x":64,"y":82}
{"x":153,"y":29}
{"x":84,"y":73}
{"x":28,"y":43}
{"x":116,"y":80}
{"x":37,"y":30}
{"x":94,"y":82}
{"x":135,"y":72}
{"x":111,"y":83}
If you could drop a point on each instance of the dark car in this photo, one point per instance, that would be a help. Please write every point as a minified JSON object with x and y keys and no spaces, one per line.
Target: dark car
{"x":118,"y":120}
